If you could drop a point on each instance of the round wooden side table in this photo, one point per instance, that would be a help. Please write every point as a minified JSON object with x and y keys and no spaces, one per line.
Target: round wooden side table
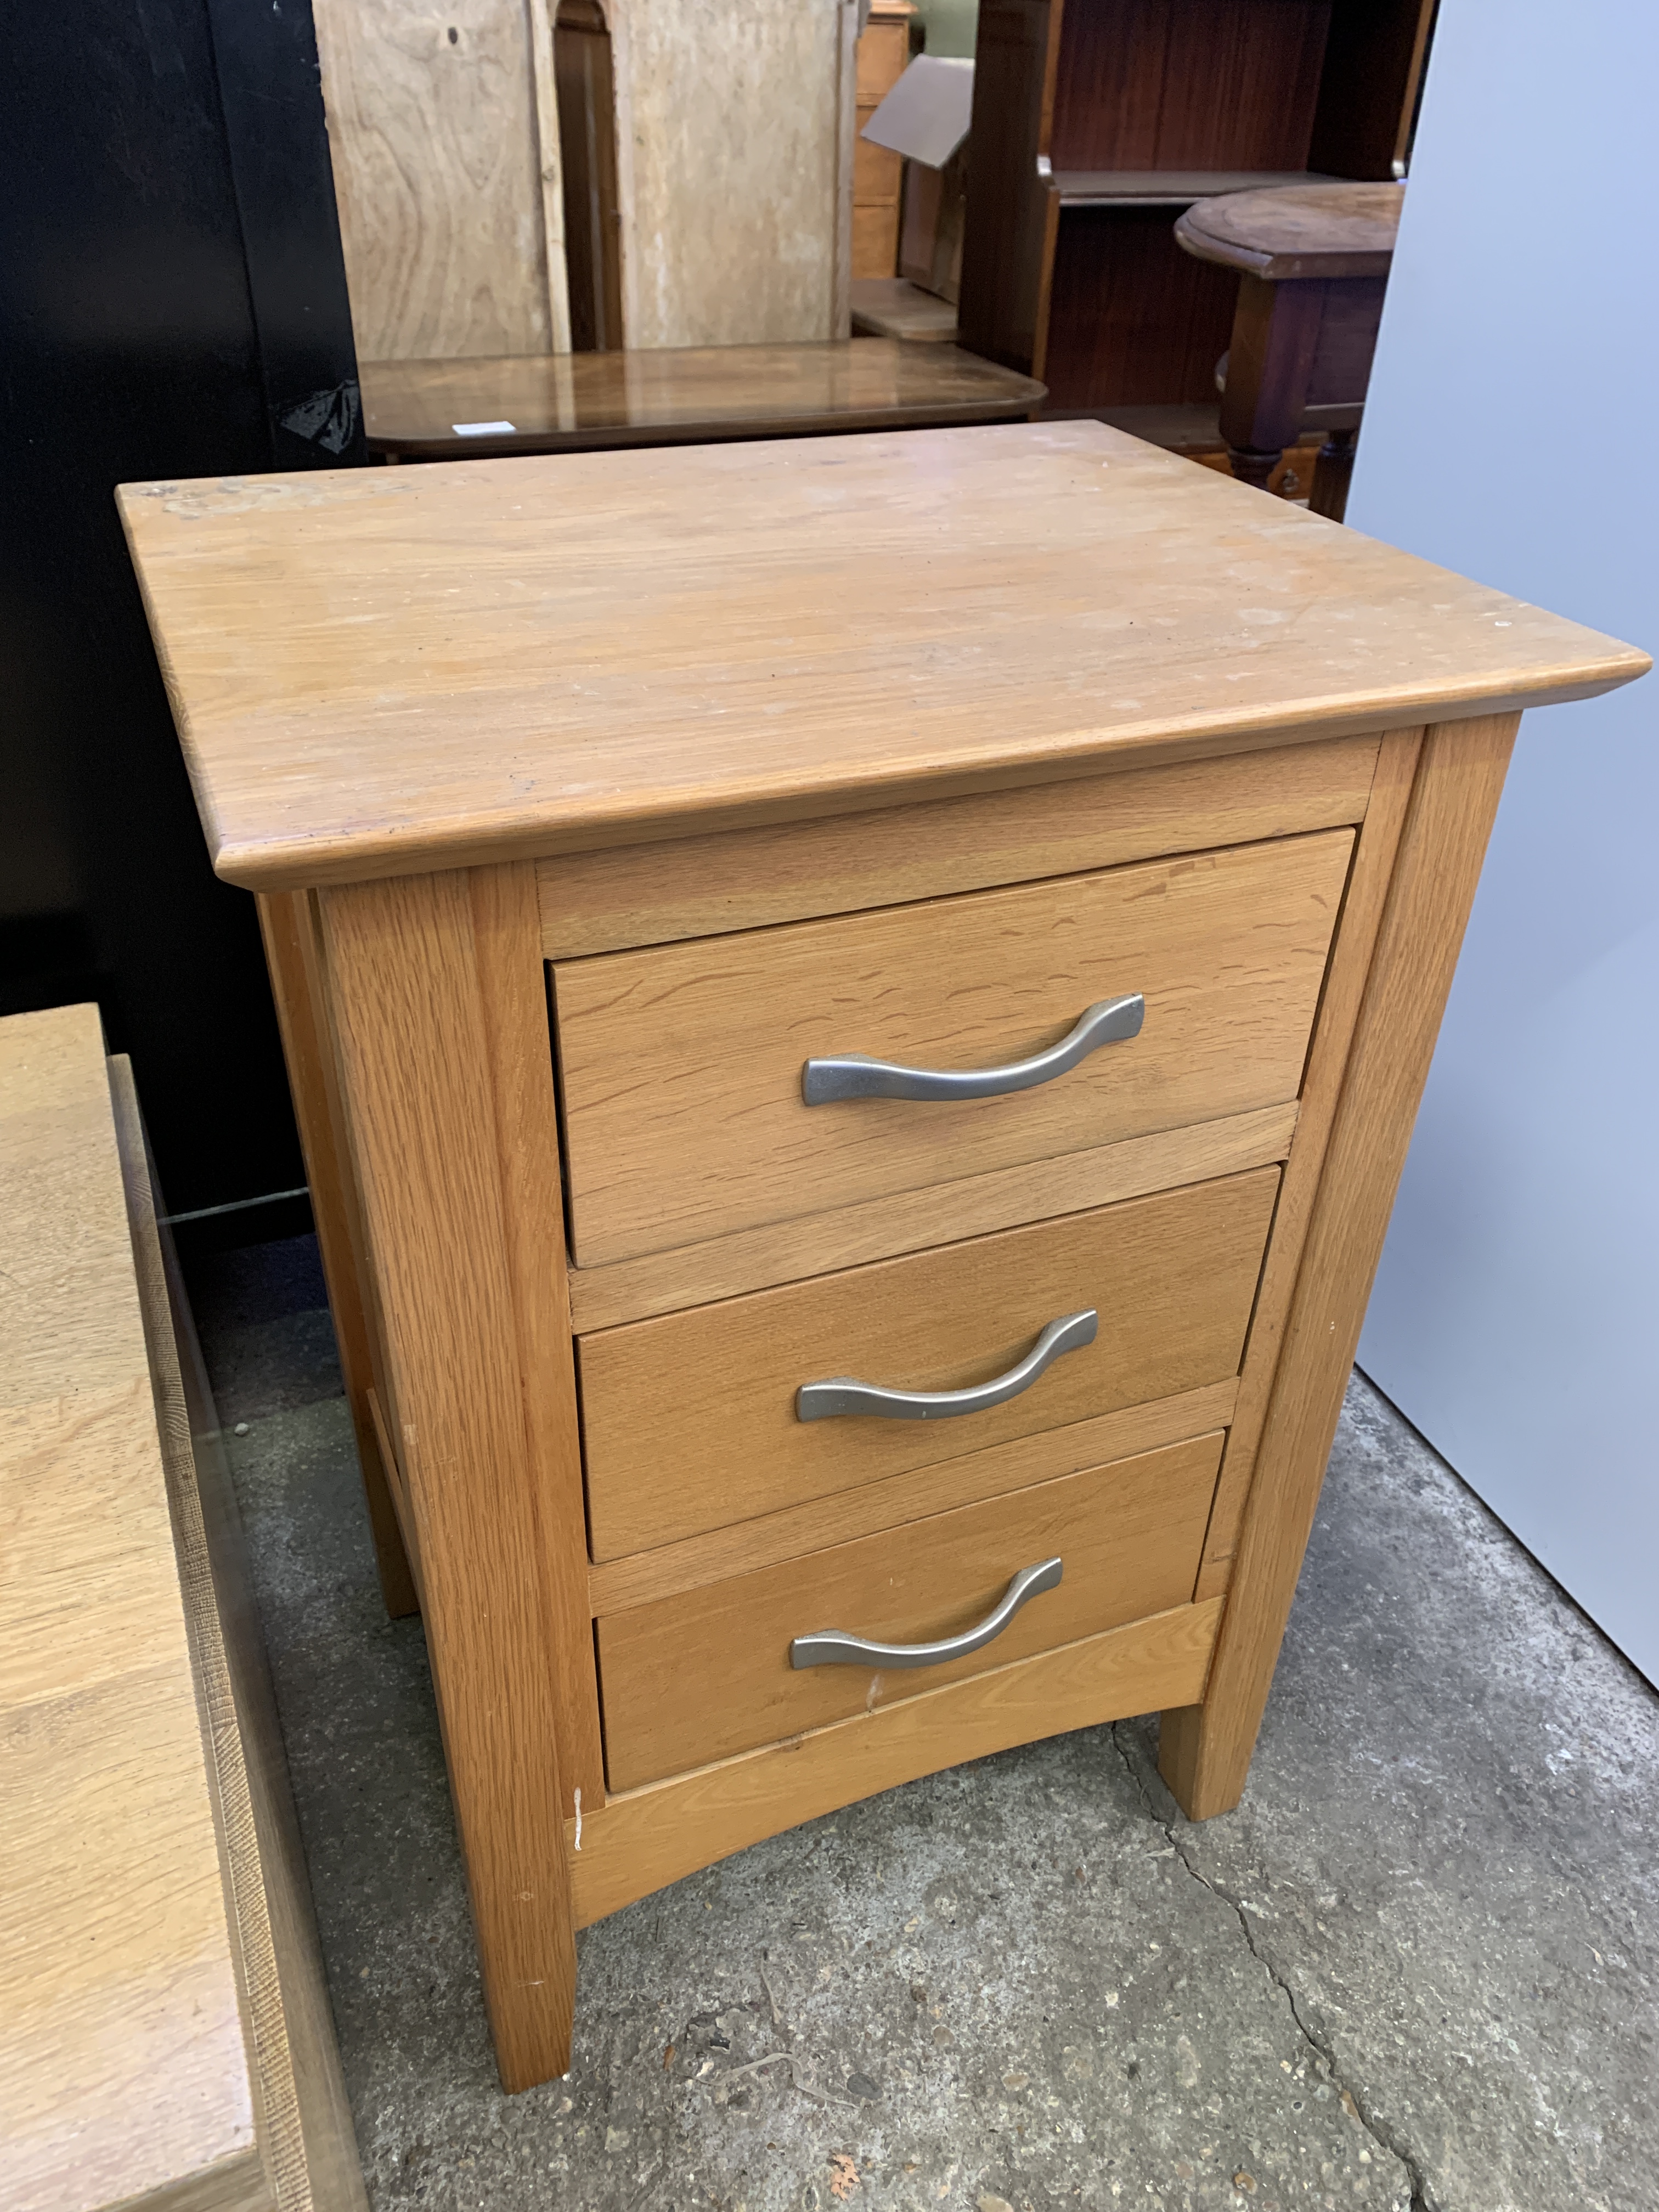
{"x":1313,"y":264}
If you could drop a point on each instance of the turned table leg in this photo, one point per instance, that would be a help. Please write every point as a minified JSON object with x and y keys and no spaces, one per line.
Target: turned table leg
{"x":1252,"y":468}
{"x":1270,"y":366}
{"x":1333,"y":472}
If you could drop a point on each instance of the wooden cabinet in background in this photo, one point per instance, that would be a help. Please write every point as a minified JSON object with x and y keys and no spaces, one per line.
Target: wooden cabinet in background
{"x":1094,"y":127}
{"x":883,"y":51}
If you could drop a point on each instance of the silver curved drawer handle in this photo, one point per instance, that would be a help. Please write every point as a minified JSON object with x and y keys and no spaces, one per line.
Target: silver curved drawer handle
{"x":841,"y":1396}
{"x":830,"y":1648}
{"x":855,"y":1075}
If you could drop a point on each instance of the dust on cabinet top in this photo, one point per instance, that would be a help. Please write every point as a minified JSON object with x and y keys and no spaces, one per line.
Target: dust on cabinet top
{"x":377,"y":672}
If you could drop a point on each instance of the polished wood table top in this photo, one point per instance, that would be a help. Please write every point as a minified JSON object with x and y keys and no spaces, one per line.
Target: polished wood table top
{"x":378,"y":670}
{"x":1325,"y":230}
{"x":559,"y":403}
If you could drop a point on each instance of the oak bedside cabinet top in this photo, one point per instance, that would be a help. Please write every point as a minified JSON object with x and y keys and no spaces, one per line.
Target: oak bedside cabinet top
{"x":854,"y":1009}
{"x":378,"y":672}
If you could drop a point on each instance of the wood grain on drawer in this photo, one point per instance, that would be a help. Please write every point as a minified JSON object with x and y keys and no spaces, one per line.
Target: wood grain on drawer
{"x":681,"y":1066}
{"x":635,"y":895}
{"x":701,"y":1676}
{"x":690,"y":1421}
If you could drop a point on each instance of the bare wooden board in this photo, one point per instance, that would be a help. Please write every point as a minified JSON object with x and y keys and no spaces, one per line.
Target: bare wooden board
{"x":305,"y":2133}
{"x":730,"y":231}
{"x":432,"y":133}
{"x":123,"y":2052}
{"x":667,"y":643}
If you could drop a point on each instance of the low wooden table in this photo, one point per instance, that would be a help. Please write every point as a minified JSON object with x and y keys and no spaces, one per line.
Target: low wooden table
{"x":695,"y":395}
{"x":897,"y":908}
{"x":165,"y":2036}
{"x":1313,"y":264}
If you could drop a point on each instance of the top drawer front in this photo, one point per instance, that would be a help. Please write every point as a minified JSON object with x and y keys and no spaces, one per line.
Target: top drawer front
{"x":681,"y":1066}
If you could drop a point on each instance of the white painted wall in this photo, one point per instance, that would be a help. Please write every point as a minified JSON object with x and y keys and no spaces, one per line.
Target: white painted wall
{"x":1511,"y":431}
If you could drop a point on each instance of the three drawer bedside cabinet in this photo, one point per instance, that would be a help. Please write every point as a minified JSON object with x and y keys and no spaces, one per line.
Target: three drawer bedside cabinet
{"x":855,"y":1008}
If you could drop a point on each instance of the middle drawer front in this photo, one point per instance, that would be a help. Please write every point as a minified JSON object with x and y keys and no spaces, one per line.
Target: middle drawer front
{"x":707,"y":1673}
{"x":690,"y":1421}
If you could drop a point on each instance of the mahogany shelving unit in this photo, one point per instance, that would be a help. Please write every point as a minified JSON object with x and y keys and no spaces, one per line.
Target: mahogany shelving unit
{"x":1096,"y":122}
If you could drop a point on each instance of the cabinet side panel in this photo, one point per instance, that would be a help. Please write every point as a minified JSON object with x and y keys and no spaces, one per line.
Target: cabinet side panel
{"x":287,"y":923}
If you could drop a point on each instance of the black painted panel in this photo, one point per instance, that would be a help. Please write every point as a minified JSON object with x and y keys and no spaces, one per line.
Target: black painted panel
{"x":130,"y":347}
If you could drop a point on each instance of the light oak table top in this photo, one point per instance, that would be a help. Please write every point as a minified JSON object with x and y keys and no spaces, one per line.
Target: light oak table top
{"x":123,"y":2068}
{"x":564,"y":403}
{"x":377,"y":672}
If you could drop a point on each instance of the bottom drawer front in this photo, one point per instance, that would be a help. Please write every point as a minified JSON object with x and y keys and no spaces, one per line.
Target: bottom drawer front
{"x":707,"y":1673}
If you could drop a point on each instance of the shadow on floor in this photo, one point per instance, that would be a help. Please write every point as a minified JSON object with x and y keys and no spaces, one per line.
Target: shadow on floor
{"x":1416,"y":1968}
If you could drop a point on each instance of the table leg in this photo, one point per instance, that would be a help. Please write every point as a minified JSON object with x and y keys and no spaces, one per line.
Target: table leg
{"x":1270,"y":366}
{"x":1253,"y":468}
{"x":1331,"y":474}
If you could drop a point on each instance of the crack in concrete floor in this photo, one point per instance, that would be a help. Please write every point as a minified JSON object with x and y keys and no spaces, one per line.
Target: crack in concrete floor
{"x":1353,"y":2098}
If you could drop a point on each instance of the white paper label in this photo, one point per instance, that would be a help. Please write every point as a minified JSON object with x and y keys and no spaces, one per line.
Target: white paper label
{"x":482,"y":429}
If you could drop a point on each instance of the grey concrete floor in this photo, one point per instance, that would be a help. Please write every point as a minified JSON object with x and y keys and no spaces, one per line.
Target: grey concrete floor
{"x":1416,"y":1968}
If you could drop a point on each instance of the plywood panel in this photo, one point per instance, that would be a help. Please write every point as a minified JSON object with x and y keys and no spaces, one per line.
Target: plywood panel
{"x":731,"y":122}
{"x":437,"y":170}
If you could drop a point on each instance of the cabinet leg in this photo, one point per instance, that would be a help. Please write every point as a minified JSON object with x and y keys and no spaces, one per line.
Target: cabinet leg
{"x":442,"y":975}
{"x":287,"y":923}
{"x":1205,"y":1751}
